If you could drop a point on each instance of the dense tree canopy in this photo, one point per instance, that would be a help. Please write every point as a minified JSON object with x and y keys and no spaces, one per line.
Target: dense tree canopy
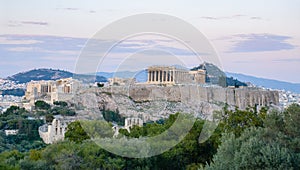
{"x":42,"y":105}
{"x":274,"y":146}
{"x":243,"y":140}
{"x":15,"y":118}
{"x":76,"y":133}
{"x":237,"y":121}
{"x":61,"y":103}
{"x":112,"y":116}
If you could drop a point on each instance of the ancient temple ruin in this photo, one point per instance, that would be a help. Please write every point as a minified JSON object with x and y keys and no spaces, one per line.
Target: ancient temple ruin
{"x":50,"y":91}
{"x":171,"y":75}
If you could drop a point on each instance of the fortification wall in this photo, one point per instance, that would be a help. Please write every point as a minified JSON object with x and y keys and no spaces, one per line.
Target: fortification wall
{"x":240,"y":97}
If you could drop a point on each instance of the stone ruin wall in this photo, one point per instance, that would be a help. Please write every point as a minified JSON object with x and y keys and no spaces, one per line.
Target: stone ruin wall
{"x":240,"y":97}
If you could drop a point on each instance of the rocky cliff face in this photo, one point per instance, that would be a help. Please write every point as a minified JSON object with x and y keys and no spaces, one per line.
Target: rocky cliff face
{"x":240,"y":97}
{"x":151,"y":102}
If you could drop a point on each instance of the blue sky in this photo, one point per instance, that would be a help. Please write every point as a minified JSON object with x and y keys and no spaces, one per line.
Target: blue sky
{"x":259,"y":38}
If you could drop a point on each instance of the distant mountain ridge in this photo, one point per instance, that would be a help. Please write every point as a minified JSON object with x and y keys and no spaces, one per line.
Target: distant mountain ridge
{"x":50,"y":74}
{"x":267,"y":83}
{"x":39,"y":74}
{"x":141,"y":76}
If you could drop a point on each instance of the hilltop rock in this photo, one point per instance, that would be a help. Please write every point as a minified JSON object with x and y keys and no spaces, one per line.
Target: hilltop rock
{"x":155,"y":102}
{"x":216,"y":76}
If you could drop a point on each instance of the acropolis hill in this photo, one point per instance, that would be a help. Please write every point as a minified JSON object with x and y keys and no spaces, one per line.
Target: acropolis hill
{"x":168,"y":84}
{"x":169,"y":90}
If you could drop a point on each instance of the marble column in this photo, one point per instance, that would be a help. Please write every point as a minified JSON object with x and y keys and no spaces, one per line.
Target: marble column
{"x":167,"y":74}
{"x":152,"y":76}
{"x":149,"y":75}
{"x":175,"y":76}
{"x":158,"y":75}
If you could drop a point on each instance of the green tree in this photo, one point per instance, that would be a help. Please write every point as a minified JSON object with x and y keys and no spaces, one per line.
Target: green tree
{"x":35,"y":155}
{"x":275,"y":145}
{"x":292,"y":119}
{"x":60,"y":103}
{"x":14,"y":111}
{"x":252,"y":150}
{"x":76,"y":133}
{"x":9,"y":160}
{"x":187,"y":154}
{"x":112,"y":116}
{"x":27,"y":137}
{"x":42,"y":105}
{"x":237,"y":121}
{"x":61,"y":110}
{"x":72,"y":155}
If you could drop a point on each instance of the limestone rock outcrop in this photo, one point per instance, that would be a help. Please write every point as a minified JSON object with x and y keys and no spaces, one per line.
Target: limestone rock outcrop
{"x":151,"y":102}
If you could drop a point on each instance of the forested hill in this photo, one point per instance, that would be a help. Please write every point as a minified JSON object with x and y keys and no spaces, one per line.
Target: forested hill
{"x":48,"y":74}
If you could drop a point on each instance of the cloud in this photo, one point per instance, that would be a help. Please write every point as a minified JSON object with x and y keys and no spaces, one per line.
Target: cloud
{"x":224,"y":17}
{"x":11,"y":41}
{"x":210,"y":18}
{"x":237,"y":16}
{"x":21,"y":23}
{"x":35,"y":51}
{"x":39,"y":50}
{"x":72,"y":9}
{"x":168,"y":45}
{"x":35,"y":23}
{"x":23,"y":52}
{"x":60,"y":59}
{"x":68,"y":9}
{"x":244,"y":62}
{"x":260,"y":43}
{"x":77,"y":9}
{"x":20,"y":49}
{"x":72,"y":46}
{"x":18,"y":45}
{"x":13,"y":24}
{"x":256,"y":18}
{"x":292,"y":60}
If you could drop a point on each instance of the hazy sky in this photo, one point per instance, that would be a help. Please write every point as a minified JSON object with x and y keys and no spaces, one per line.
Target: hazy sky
{"x":258,"y":37}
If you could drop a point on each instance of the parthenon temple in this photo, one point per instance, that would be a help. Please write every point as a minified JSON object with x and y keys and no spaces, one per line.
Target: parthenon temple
{"x":173,"y":75}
